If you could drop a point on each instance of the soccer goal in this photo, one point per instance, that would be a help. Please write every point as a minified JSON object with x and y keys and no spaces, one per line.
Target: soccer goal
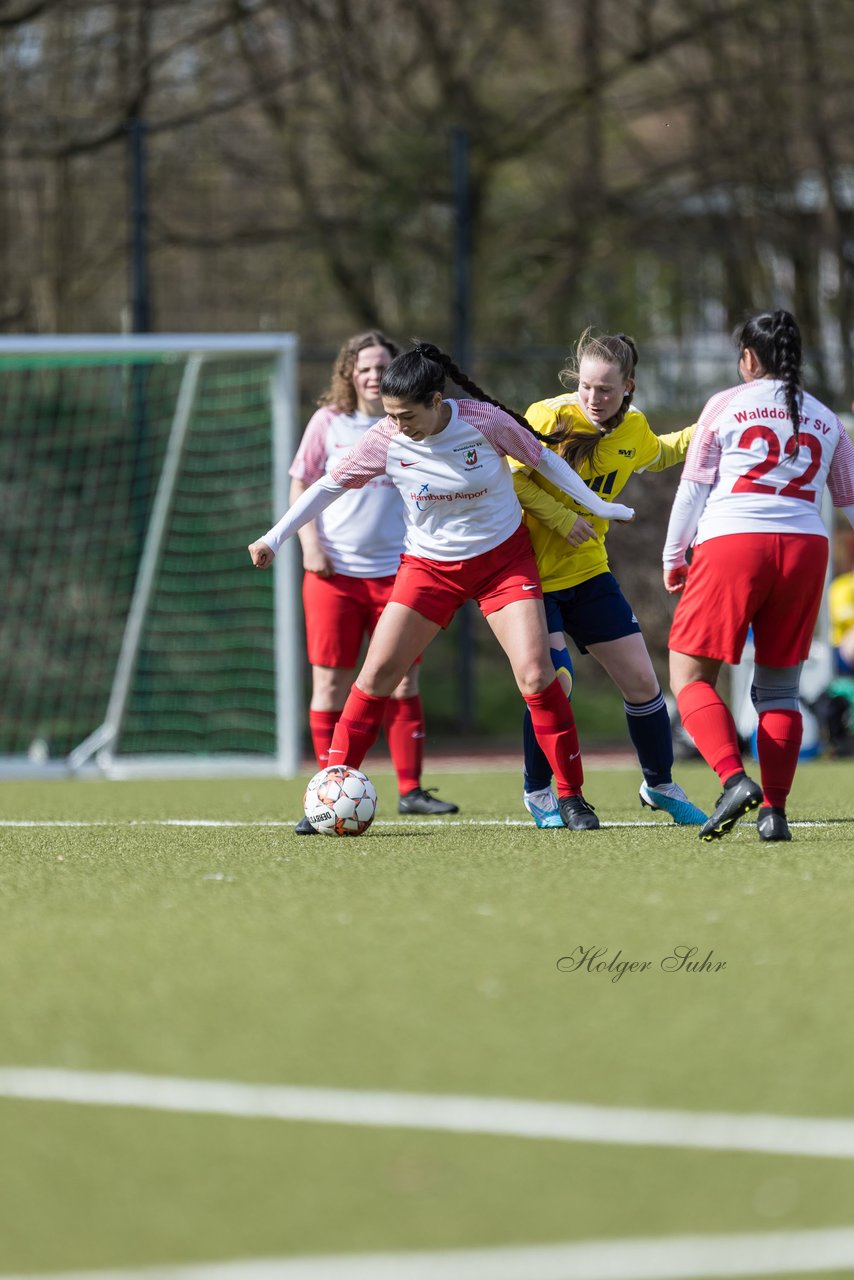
{"x":136,"y":637}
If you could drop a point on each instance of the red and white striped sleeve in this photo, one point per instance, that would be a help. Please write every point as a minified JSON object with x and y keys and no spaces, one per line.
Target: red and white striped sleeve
{"x":309,"y":462}
{"x":840,"y":477}
{"x":365,"y":460}
{"x":704,"y":452}
{"x":504,"y":433}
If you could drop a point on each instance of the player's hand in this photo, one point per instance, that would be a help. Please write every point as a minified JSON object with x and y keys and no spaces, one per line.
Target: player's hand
{"x":675,"y":578}
{"x":261,"y":555}
{"x":580,"y":532}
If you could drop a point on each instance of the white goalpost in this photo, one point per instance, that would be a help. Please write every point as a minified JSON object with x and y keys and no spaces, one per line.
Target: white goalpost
{"x":136,"y":637}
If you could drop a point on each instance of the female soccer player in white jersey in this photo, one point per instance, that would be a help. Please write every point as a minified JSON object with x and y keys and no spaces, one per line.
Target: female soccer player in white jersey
{"x":749,"y":500}
{"x":464,"y":540}
{"x":350,"y":555}
{"x":600,"y":433}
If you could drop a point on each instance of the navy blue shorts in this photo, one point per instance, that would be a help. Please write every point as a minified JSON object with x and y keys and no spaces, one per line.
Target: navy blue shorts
{"x":591,"y":612}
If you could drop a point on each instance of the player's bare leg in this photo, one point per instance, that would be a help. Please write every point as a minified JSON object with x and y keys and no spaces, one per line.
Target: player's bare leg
{"x":400,"y":636}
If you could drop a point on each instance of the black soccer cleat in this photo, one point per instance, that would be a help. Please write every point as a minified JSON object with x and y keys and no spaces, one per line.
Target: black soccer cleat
{"x":772,"y":825}
{"x":735,"y":802}
{"x":577,"y":814}
{"x":420,"y":801}
{"x":304,"y":828}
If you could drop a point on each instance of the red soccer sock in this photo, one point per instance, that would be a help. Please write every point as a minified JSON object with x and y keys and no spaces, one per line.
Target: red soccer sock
{"x":404,"y":731}
{"x":707,"y":719}
{"x":554,"y":725}
{"x":322,"y":725}
{"x":357,"y":729}
{"x":778,"y":743}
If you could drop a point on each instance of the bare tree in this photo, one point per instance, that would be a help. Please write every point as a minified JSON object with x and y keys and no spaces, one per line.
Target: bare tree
{"x":632,"y":162}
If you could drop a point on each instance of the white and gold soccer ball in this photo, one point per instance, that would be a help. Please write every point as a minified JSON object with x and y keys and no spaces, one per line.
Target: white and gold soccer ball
{"x":340,"y":801}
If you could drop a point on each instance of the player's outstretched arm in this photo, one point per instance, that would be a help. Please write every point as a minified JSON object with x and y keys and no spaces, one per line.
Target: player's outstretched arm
{"x":558,"y":470}
{"x":672,"y":448}
{"x":310,"y":504}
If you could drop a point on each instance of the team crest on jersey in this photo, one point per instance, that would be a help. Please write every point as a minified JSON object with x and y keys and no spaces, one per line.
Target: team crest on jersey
{"x":469,"y":452}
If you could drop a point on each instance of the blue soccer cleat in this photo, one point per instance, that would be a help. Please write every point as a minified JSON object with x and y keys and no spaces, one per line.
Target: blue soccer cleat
{"x":543,"y":808}
{"x":670,"y":798}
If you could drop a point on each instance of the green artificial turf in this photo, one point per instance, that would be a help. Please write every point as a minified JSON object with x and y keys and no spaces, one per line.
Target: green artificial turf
{"x":425,"y":957}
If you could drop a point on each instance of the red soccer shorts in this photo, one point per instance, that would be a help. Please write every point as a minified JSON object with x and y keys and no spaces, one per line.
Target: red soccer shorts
{"x":437,"y":588}
{"x":770,"y":581}
{"x":339,"y":613}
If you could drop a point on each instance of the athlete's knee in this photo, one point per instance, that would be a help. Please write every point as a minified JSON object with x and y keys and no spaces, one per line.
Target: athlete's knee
{"x":686,"y":670}
{"x":330,"y":686}
{"x":639,"y":691}
{"x":534,"y":677}
{"x":776,"y":688}
{"x":380,"y":675}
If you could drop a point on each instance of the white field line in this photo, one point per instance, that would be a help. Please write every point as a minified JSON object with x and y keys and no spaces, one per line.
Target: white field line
{"x":274,"y":823}
{"x":500,"y":1117}
{"x":671,"y":1258}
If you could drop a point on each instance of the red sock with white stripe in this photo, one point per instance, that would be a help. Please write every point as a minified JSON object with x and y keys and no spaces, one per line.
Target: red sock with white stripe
{"x":322,"y":725}
{"x":357,"y":729}
{"x":554,"y":725}
{"x":708,"y":720}
{"x":404,"y":731}
{"x":778,"y":744}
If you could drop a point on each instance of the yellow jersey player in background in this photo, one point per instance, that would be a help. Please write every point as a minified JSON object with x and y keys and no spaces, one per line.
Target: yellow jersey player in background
{"x":840,"y":600}
{"x":606,"y":441}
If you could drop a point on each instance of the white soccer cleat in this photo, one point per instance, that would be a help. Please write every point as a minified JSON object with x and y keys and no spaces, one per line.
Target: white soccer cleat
{"x":670,"y":798}
{"x":543,"y":807}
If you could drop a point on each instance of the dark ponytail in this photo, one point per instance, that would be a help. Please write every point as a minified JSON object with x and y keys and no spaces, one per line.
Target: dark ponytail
{"x":415,"y":376}
{"x":775,"y":339}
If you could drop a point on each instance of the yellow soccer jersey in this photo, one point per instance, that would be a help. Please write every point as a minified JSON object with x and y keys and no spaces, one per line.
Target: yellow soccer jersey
{"x":550,"y":514}
{"x":841,"y":605}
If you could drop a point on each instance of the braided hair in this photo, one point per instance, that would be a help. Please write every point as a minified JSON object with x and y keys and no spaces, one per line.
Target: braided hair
{"x":415,"y":376}
{"x":616,"y":349}
{"x":775,"y":340}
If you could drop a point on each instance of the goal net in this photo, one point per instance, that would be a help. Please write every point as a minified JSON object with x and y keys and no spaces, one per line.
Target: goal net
{"x":136,"y":637}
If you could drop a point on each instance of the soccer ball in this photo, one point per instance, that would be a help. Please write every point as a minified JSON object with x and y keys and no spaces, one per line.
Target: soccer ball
{"x":340,"y":801}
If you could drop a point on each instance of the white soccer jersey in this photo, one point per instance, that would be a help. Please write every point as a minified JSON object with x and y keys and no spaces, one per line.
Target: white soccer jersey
{"x":363,"y":532}
{"x":762,"y":480}
{"x":456,"y":485}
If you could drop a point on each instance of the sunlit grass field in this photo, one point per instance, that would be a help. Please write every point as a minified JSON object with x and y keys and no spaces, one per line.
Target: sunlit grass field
{"x":180,"y":929}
